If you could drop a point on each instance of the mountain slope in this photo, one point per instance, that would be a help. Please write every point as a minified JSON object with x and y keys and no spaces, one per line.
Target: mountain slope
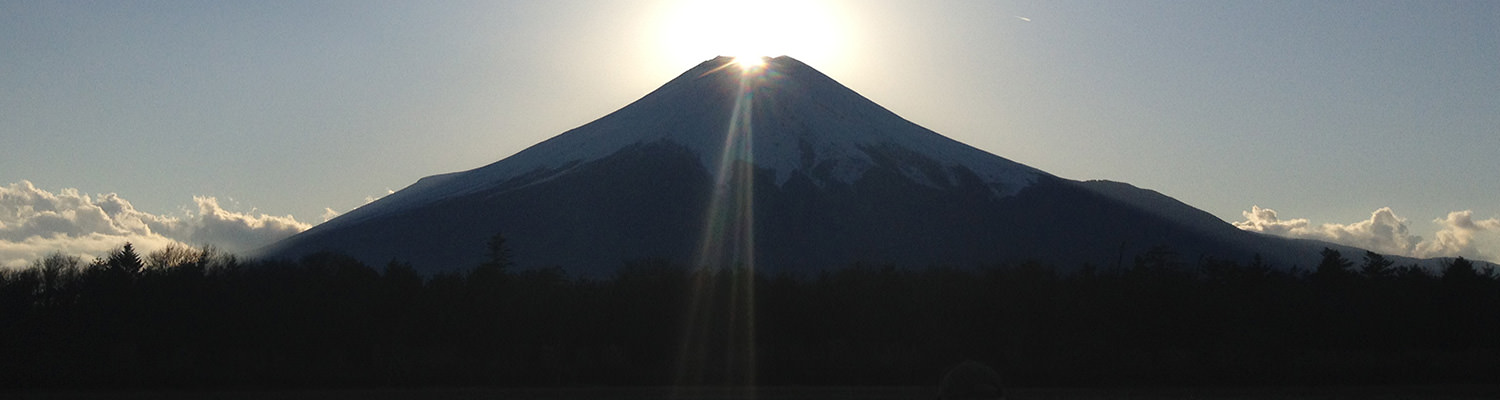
{"x":784,"y":162}
{"x":802,"y":121}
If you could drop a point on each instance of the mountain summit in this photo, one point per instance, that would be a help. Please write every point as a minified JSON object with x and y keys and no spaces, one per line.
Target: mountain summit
{"x":777,"y":166}
{"x":799,"y":122}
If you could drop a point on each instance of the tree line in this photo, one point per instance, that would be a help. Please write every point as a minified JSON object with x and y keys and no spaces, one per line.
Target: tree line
{"x":184,"y":317}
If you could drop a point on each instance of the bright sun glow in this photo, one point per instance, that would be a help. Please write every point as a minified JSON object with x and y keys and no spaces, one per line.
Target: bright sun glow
{"x":750,"y":62}
{"x":693,"y":31}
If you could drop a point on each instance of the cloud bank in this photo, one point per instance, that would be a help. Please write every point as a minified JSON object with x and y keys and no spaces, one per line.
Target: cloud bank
{"x":1458,"y":234}
{"x":35,"y":222}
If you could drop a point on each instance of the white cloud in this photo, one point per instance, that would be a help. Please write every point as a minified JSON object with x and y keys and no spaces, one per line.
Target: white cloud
{"x":1265,"y":220}
{"x":329,"y":214}
{"x":239,"y":231}
{"x":371,"y":199}
{"x":1462,"y":236}
{"x":1385,"y":232}
{"x":35,"y":222}
{"x":23,"y":252}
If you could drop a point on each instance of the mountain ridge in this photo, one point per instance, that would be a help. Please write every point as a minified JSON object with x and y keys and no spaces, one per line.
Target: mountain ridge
{"x":799,"y":171}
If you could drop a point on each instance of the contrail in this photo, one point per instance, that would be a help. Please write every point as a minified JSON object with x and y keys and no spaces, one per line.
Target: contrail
{"x":1023,"y":18}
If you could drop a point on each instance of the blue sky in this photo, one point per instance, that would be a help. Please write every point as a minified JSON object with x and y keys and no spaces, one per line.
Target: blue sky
{"x":280,"y":112}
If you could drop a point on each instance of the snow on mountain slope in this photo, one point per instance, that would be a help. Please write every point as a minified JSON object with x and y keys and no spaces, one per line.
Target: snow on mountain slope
{"x":801,"y":122}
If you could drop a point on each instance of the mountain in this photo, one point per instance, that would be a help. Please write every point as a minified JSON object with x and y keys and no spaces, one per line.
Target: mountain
{"x":780,"y":167}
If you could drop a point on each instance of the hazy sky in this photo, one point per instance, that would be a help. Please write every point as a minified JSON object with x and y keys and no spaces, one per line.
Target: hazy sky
{"x":1326,"y":110}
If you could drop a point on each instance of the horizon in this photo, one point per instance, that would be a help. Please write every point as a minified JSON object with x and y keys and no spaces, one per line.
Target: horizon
{"x":203,"y":125}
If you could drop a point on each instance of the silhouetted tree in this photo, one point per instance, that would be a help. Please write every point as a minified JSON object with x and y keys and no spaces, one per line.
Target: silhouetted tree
{"x":1376,"y":266}
{"x":175,"y":256}
{"x":57,"y":270}
{"x":1412,"y":272}
{"x":499,"y":252}
{"x":1460,"y":270}
{"x":1332,"y":268}
{"x":490,"y":274}
{"x":328,"y":320}
{"x":125,"y":260}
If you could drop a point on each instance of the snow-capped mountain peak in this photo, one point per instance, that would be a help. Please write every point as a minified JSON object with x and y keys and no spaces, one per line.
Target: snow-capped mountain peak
{"x":787,"y":116}
{"x":836,"y":179}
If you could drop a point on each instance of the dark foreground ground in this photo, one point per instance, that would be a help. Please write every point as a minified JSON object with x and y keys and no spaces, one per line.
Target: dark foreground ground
{"x":804,"y":393}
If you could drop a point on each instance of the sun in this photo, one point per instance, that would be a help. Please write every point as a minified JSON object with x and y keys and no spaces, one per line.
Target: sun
{"x":750,"y":62}
{"x":809,"y":30}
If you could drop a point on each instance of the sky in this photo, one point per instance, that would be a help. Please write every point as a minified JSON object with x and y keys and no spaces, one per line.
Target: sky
{"x":1371,"y":123}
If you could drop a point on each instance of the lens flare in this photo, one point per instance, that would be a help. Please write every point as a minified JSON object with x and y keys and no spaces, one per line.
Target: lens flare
{"x":718,"y":341}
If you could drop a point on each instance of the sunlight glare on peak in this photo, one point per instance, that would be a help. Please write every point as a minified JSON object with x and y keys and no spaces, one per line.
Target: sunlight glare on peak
{"x":750,"y":62}
{"x":693,"y":30}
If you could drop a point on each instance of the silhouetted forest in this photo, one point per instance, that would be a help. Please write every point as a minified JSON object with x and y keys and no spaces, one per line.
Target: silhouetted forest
{"x":200,"y":318}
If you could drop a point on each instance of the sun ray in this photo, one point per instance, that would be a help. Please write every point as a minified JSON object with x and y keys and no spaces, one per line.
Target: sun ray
{"x":718,"y":344}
